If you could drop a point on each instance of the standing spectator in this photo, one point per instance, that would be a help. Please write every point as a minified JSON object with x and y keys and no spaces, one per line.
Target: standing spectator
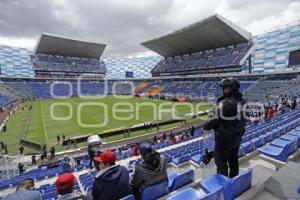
{"x":74,"y":143}
{"x":69,"y":143}
{"x":136,"y":149}
{"x":21,"y":168}
{"x":91,"y":153}
{"x":33,"y":160}
{"x":270,"y":113}
{"x":65,"y":187}
{"x":64,"y":137}
{"x":112,"y":182}
{"x":52,"y":152}
{"x":192,"y":131}
{"x":294,"y":104}
{"x":164,"y":136}
{"x":152,"y":170}
{"x":44,"y":154}
{"x":5,"y":149}
{"x":21,"y":149}
{"x":25,"y":191}
{"x":58,"y":138}
{"x":1,"y":145}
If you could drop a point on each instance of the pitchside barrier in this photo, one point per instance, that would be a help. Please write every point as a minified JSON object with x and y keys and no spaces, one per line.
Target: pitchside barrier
{"x":126,"y":131}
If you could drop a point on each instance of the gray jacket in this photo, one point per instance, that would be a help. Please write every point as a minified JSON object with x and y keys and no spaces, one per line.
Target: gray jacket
{"x":151,"y":171}
{"x":24,"y":195}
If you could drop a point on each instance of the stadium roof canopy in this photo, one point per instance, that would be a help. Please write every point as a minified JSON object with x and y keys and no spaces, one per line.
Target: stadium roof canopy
{"x":63,"y":46}
{"x":210,"y":33}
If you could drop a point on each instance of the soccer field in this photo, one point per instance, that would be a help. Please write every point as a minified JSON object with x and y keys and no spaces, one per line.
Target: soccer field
{"x":77,"y":116}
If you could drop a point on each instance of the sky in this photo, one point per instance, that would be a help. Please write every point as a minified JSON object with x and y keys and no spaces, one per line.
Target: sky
{"x":124,"y":24}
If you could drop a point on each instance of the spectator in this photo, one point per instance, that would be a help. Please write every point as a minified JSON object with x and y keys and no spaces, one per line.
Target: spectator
{"x":152,"y":170}
{"x":65,"y":187}
{"x":66,"y":166}
{"x":64,"y":137}
{"x":21,"y":168}
{"x":52,"y":152}
{"x":75,"y":144}
{"x":58,"y":139}
{"x":33,"y":160}
{"x":193,"y":131}
{"x":91,"y":153}
{"x":136,"y":149}
{"x":44,"y":155}
{"x":21,"y":149}
{"x":294,"y":104}
{"x":1,"y":145}
{"x":69,"y":143}
{"x":155,"y":139}
{"x":112,"y":182}
{"x":25,"y":191}
{"x":5,"y":149}
{"x":270,"y":113}
{"x":164,"y":136}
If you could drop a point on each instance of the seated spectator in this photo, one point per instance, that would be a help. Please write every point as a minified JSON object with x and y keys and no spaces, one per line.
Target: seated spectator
{"x":112,"y":181}
{"x":65,"y":187}
{"x":152,"y":170}
{"x":66,"y":165}
{"x":25,"y":191}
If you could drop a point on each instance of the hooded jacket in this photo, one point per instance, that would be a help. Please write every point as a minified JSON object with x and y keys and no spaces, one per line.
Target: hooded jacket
{"x":228,"y":131}
{"x":111,"y":184}
{"x":151,"y":171}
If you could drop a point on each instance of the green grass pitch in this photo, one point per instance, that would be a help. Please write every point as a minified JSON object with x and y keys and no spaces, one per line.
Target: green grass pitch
{"x":43,"y":128}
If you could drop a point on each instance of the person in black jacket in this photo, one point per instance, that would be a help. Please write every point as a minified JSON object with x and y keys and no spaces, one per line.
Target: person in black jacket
{"x":91,"y":154}
{"x":112,"y":181}
{"x":152,"y":170}
{"x":229,"y":126}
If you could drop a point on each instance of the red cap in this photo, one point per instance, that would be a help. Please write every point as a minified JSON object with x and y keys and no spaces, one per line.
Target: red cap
{"x":106,"y":157}
{"x":64,"y":181}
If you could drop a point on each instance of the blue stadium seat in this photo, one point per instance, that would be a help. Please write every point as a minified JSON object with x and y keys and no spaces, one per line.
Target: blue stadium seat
{"x":291,"y":138}
{"x":192,"y":194}
{"x":292,"y":145}
{"x":188,"y":193}
{"x":180,"y":180}
{"x":180,"y":160}
{"x":197,"y":159}
{"x":297,"y":135}
{"x":232,"y":187}
{"x":275,"y":152}
{"x":155,"y":191}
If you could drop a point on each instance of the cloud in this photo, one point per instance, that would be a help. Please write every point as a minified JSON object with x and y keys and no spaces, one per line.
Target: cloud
{"x":123,"y":25}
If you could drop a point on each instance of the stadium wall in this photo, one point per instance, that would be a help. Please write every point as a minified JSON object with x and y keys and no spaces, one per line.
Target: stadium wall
{"x":272,"y":48}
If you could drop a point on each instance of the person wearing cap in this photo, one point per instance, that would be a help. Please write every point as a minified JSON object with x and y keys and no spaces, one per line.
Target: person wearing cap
{"x":25,"y":191}
{"x":112,"y":181}
{"x":229,"y":125}
{"x":65,"y":187}
{"x":152,"y":170}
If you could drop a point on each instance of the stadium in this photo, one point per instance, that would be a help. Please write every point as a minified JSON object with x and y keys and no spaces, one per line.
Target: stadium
{"x":64,"y":97}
